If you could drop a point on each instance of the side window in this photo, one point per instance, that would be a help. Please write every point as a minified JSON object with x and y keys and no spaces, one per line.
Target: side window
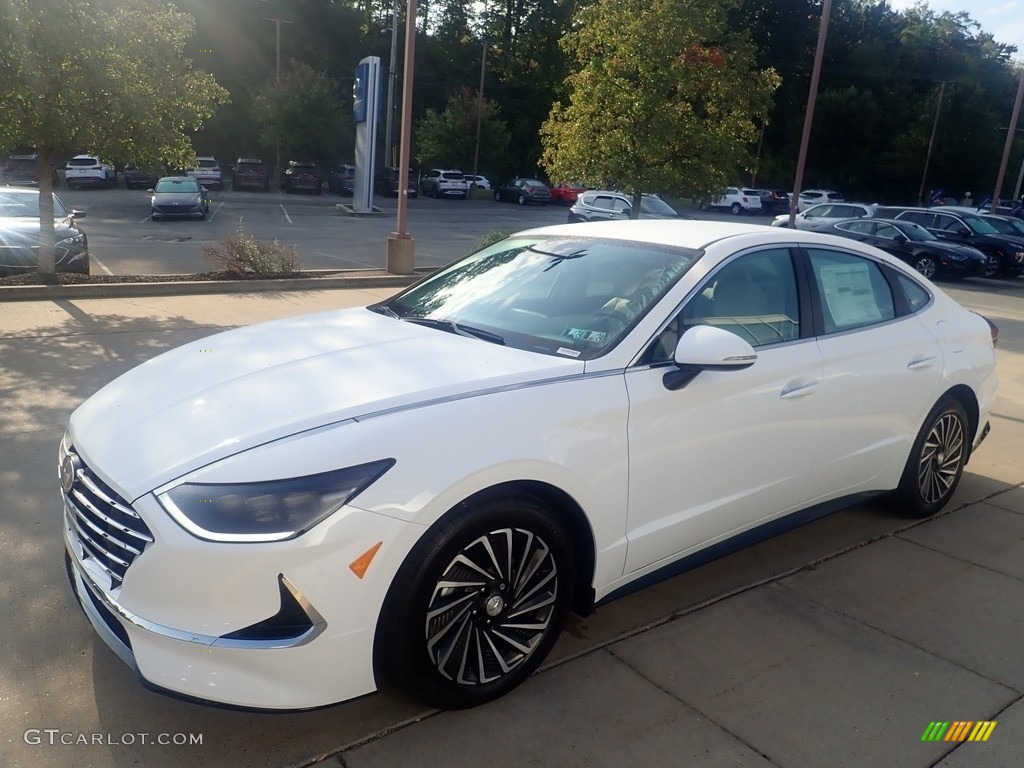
{"x":620,"y":206}
{"x":860,"y":227}
{"x":603,"y":202}
{"x":916,"y":295}
{"x":918,"y":217}
{"x":888,"y":231}
{"x":853,"y":291}
{"x":754,"y":296}
{"x":949,"y":224}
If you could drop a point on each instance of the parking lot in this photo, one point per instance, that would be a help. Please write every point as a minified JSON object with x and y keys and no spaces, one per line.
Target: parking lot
{"x":123,"y":240}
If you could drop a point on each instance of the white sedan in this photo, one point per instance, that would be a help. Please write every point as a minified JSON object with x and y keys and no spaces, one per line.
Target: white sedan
{"x":285,"y":515}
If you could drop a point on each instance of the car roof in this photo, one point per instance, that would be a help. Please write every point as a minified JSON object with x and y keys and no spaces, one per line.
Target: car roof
{"x":694,"y":234}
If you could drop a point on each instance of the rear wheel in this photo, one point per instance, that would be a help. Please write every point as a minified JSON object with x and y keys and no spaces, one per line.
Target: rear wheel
{"x":736,"y":209}
{"x":993,"y":265}
{"x":521,"y":199}
{"x":478,"y":603}
{"x":497,"y":197}
{"x":936,"y":461}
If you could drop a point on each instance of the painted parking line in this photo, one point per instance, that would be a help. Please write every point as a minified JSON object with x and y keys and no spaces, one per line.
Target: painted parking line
{"x":94,"y":261}
{"x":347,"y":261}
{"x":285,"y":213}
{"x":210,"y":217}
{"x":145,"y":220}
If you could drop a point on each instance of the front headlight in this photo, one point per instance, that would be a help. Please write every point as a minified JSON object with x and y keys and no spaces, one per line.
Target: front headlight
{"x":273,"y":510}
{"x":75,"y":241}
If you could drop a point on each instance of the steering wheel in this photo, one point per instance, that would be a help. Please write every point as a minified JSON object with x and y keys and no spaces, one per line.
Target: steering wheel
{"x":613,"y":314}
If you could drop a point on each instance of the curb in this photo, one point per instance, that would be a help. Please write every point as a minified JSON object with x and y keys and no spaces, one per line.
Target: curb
{"x":332,"y":280}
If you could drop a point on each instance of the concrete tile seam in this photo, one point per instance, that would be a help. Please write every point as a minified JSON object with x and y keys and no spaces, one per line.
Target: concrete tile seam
{"x":959,"y":744}
{"x":974,"y":563}
{"x":899,"y":640}
{"x":339,"y":751}
{"x":694,"y":707}
{"x":110,"y":332}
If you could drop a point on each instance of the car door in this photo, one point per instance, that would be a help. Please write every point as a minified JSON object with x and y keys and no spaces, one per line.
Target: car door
{"x":881,"y":366}
{"x":732,"y":448}
{"x":601,"y":209}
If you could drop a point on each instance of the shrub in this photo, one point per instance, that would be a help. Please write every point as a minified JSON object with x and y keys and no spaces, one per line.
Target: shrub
{"x":490,"y":239}
{"x":243,"y":255}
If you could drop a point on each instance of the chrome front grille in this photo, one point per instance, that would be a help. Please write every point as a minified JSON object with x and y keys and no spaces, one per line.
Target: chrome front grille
{"x":110,"y":531}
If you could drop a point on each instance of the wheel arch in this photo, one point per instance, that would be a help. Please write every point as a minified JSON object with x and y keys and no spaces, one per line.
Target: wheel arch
{"x":966,"y":397}
{"x":569,"y":514}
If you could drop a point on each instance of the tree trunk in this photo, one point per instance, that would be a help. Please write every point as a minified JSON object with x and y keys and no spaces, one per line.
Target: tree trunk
{"x":634,"y":208}
{"x":44,"y":171}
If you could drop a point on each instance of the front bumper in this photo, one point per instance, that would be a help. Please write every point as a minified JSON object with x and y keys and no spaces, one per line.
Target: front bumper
{"x":183,"y":617}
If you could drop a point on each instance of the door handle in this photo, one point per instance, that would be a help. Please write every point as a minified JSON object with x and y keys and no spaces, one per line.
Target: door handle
{"x":921,"y":362}
{"x":799,"y":388}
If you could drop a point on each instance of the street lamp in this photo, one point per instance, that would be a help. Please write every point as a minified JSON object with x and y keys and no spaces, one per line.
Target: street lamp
{"x":277,"y":158}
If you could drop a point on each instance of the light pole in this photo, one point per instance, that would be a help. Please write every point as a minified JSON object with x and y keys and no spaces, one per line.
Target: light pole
{"x":277,"y":157}
{"x":1009,"y":143}
{"x":931,"y":143}
{"x":400,"y":246}
{"x":389,"y":131}
{"x":479,"y":113}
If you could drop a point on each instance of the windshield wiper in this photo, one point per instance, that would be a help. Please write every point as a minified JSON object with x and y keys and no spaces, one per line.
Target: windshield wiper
{"x":462,"y":330}
{"x":384,"y":309}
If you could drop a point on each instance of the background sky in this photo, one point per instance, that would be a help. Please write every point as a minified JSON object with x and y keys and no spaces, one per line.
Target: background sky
{"x":1003,"y":19}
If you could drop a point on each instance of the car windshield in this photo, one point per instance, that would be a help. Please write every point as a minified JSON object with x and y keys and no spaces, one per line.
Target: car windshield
{"x":557,"y":296}
{"x":655,"y":205}
{"x":27,"y":207}
{"x":979,"y":226}
{"x":207,"y":163}
{"x":177,"y":185}
{"x":86,"y":162}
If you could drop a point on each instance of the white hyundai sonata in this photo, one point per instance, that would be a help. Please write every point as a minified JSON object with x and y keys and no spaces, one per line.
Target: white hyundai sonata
{"x":284,"y":515}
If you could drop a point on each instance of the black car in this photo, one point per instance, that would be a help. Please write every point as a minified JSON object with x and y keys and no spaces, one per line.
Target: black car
{"x":22,"y":170}
{"x":341,"y":180}
{"x":388,"y":182}
{"x":1005,"y":255}
{"x":19,"y":234}
{"x":179,"y":197}
{"x":137,"y":178}
{"x":523,"y":191}
{"x":912,"y":244}
{"x":774,"y":201}
{"x":250,"y":173}
{"x":301,"y":176}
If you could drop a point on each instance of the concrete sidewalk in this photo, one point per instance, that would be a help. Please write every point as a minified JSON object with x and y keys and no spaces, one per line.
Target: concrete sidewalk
{"x":835,"y":644}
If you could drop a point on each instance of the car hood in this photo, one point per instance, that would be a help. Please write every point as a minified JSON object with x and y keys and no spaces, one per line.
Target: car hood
{"x":18,"y":230}
{"x":232,"y":391}
{"x":165,"y":198}
{"x":941,"y":246}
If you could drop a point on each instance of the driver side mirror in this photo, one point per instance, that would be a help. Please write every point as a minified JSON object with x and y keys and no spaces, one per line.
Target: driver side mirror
{"x":707,"y":348}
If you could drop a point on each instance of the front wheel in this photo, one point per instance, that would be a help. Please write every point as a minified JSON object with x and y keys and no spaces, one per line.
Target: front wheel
{"x":926,"y":266}
{"x":521,"y":199}
{"x":497,"y":197}
{"x":736,"y":209}
{"x":993,"y":265}
{"x":478,"y":603}
{"x":936,"y":461}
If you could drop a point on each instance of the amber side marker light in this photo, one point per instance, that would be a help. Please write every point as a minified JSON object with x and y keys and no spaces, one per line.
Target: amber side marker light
{"x":361,"y":564}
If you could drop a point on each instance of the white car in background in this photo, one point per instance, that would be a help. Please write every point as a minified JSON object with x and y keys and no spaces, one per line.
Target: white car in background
{"x":737,"y":200}
{"x":89,"y":171}
{"x":207,"y":172}
{"x":824,"y":213}
{"x":482,"y":182}
{"x":284,"y":515}
{"x":811,"y":197}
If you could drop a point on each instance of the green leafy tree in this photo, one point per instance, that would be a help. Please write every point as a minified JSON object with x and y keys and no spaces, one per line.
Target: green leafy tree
{"x":107,"y":76}
{"x":306,"y":109}
{"x":665,"y":99}
{"x":448,"y":139}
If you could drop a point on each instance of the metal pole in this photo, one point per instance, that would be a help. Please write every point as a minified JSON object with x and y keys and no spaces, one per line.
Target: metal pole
{"x":277,"y":138}
{"x":389,"y":131}
{"x":1009,"y":142}
{"x":931,"y":143}
{"x":826,"y":10}
{"x":479,"y":112}
{"x":406,"y":139}
{"x":1020,"y":178}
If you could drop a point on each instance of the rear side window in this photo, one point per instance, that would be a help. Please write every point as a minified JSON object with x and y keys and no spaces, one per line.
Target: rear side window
{"x":853,"y":291}
{"x":916,"y":295}
{"x":918,"y":217}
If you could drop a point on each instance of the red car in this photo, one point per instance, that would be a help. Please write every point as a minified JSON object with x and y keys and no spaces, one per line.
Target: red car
{"x":566,"y":194}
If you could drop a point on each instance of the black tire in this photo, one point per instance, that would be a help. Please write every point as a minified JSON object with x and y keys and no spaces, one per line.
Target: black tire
{"x":521,"y":199}
{"x":736,"y":209}
{"x":926,"y":265}
{"x":424,"y":654}
{"x":497,"y":197}
{"x":936,"y":461}
{"x":993,"y":265}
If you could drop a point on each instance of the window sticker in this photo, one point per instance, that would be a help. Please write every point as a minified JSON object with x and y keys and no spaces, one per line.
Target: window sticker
{"x":568,"y":352}
{"x":584,"y":335}
{"x":848,"y":294}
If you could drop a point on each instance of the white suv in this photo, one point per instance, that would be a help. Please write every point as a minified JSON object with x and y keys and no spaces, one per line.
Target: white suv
{"x":811,"y":197}
{"x":441,"y":183}
{"x":89,"y":171}
{"x":207,"y":172}
{"x":737,"y":199}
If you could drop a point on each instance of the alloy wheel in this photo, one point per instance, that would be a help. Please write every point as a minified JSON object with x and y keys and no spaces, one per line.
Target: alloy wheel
{"x":926,"y":266}
{"x":492,"y":606}
{"x":941,"y":458}
{"x":991,"y":265}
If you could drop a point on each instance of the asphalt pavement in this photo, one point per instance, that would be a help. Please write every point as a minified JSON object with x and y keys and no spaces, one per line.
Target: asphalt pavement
{"x":835,"y":644}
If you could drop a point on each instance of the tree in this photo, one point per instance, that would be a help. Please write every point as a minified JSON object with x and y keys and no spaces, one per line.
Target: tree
{"x":448,"y":139}
{"x":107,"y":76}
{"x":305,"y":110}
{"x":665,"y":99}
